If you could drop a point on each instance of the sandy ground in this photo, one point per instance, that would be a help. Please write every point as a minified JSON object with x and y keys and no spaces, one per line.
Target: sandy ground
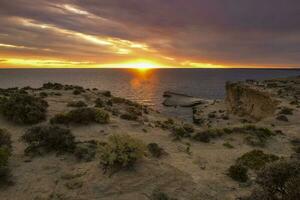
{"x":200,"y":174}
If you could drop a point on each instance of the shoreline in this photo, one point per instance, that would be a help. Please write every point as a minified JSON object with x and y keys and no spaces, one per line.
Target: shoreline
{"x":195,"y":157}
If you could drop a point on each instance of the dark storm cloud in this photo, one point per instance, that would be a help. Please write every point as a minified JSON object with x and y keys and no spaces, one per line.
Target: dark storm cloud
{"x":247,"y":32}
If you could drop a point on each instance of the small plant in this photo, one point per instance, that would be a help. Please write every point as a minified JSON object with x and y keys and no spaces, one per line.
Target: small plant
{"x":4,"y":169}
{"x":99,"y":103}
{"x":86,"y":151}
{"x":121,"y":151}
{"x":77,"y":92}
{"x":43,"y":94}
{"x":279,"y":181}
{"x":188,"y":127}
{"x":256,"y":159}
{"x":53,"y":86}
{"x":282,"y":118}
{"x":155,"y":150}
{"x":5,"y":140}
{"x":5,"y":153}
{"x":48,"y":138}
{"x":77,"y":104}
{"x":101,"y":117}
{"x":286,"y":111}
{"x":238,"y":173}
{"x":106,"y":93}
{"x":82,"y":116}
{"x":24,"y":109}
{"x":129,"y":116}
{"x":202,"y":136}
{"x":179,"y":133}
{"x":228,"y":145}
{"x":159,"y":195}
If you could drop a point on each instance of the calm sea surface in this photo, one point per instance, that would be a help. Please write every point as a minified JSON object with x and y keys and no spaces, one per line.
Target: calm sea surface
{"x":145,"y":87}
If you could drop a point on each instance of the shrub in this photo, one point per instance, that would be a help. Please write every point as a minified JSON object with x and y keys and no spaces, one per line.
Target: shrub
{"x":118,"y":100}
{"x":159,"y":195}
{"x":5,"y":140}
{"x":48,"y":138}
{"x":257,"y":136}
{"x":82,"y":116}
{"x":180,"y":132}
{"x":238,"y":173}
{"x":53,"y":86}
{"x":5,"y":152}
{"x":86,"y":151}
{"x":202,"y":136}
{"x":106,"y":93}
{"x":188,"y":128}
{"x":24,"y":109}
{"x":77,"y":104}
{"x":60,"y":119}
{"x":4,"y":169}
{"x":279,"y":181}
{"x":256,"y":159}
{"x":228,"y":145}
{"x":286,"y":111}
{"x":121,"y":151}
{"x":43,"y":94}
{"x":102,"y":117}
{"x":77,"y":92}
{"x":99,"y":103}
{"x":129,"y":116}
{"x":282,"y":118}
{"x":155,"y":150}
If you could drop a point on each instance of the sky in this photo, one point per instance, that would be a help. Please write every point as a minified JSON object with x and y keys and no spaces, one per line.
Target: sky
{"x":150,"y":33}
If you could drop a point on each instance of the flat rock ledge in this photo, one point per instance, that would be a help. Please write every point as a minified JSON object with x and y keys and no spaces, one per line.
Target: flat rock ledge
{"x":173,"y":99}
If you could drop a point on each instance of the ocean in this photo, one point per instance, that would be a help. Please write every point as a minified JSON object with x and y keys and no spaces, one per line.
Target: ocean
{"x":143,"y":86}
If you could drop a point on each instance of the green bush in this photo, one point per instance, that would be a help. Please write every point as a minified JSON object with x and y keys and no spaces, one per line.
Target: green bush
{"x":53,"y":86}
{"x":121,"y":151}
{"x":99,"y":103}
{"x":4,"y":169}
{"x":24,"y":109}
{"x":82,"y":116}
{"x":188,"y":127}
{"x":86,"y":151}
{"x":101,"y":117}
{"x":77,"y":104}
{"x":238,"y":173}
{"x":155,"y":150}
{"x":43,"y":94}
{"x":5,"y":140}
{"x":60,"y":119}
{"x":129,"y":116}
{"x":203,"y":136}
{"x":228,"y":145}
{"x":48,"y":138}
{"x":256,"y":159}
{"x":278,"y":181}
{"x":159,"y":195}
{"x":282,"y":118}
{"x":77,"y":92}
{"x":180,"y":132}
{"x":286,"y":111}
{"x":5,"y":152}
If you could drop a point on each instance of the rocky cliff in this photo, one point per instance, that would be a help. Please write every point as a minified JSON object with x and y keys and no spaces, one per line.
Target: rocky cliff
{"x":247,"y":100}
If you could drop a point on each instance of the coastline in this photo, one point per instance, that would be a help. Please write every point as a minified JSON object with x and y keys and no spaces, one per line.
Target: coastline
{"x":194,"y":165}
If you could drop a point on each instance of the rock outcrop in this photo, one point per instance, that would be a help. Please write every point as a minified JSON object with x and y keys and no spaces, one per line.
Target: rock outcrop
{"x":176,"y":99}
{"x":247,"y":100}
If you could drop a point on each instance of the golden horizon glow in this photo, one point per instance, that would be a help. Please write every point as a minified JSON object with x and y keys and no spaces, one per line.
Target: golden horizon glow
{"x":139,"y":64}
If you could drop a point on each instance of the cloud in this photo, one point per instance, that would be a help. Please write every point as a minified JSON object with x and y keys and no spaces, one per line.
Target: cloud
{"x":256,"y":32}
